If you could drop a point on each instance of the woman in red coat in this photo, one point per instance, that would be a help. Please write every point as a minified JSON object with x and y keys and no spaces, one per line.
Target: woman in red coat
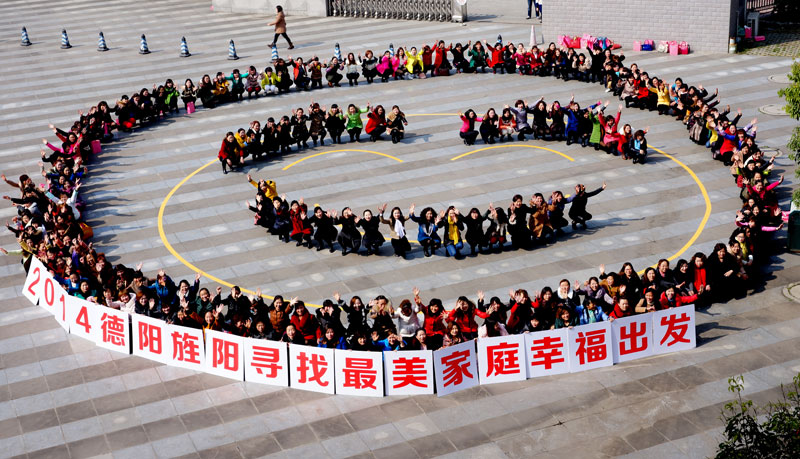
{"x":376,"y":123}
{"x":441,"y":66}
{"x":464,"y":315}
{"x":301,"y":229}
{"x":306,"y":324}
{"x":496,"y":60}
{"x":671,"y":299}
{"x":700,"y":279}
{"x":434,"y":325}
{"x":230,"y":153}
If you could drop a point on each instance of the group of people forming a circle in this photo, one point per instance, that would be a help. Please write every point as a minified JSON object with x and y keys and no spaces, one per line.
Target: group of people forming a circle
{"x":538,"y":222}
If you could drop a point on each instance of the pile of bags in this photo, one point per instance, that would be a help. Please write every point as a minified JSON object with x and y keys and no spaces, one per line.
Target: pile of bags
{"x":587,"y":41}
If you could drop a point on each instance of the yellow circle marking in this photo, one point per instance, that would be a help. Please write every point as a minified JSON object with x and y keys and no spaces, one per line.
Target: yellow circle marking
{"x":178,"y":256}
{"x":339,"y":151}
{"x":163,"y":235}
{"x":707,"y":200}
{"x":512,"y":146}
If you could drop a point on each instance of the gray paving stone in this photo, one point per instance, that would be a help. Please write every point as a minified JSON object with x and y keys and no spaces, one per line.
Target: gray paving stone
{"x":174,"y":446}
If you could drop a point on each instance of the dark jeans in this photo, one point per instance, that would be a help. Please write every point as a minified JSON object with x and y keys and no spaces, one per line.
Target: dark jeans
{"x":469,"y":136}
{"x":288,"y":40}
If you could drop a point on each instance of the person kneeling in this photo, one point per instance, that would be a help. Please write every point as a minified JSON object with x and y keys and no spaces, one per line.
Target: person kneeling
{"x":230,"y":153}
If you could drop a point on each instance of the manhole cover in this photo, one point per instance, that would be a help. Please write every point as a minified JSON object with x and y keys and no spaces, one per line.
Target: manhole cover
{"x":781,"y":78}
{"x":773,"y":109}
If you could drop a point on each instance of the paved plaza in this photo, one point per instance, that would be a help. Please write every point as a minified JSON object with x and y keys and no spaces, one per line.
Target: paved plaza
{"x":60,"y":396}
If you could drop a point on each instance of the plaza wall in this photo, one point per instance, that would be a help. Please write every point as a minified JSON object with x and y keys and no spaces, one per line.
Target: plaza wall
{"x":267,"y":7}
{"x":706,"y":25}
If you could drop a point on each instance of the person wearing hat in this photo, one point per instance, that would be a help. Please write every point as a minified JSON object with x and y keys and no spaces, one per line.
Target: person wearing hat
{"x":280,"y":27}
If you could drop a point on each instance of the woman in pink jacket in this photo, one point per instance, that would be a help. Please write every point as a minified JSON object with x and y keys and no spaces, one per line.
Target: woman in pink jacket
{"x":610,"y":135}
{"x":468,"y":131}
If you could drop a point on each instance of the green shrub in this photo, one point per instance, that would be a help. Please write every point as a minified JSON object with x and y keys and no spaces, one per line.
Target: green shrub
{"x":769,"y":432}
{"x":792,"y":96}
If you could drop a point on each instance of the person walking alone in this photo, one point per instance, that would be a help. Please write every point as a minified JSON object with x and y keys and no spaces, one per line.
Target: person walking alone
{"x":280,"y":27}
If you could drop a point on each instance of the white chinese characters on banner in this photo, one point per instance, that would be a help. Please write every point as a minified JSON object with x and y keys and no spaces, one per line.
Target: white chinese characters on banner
{"x":501,"y":359}
{"x":188,"y":348}
{"x":547,"y":352}
{"x":110,"y":329}
{"x":590,"y":347}
{"x":674,"y":330}
{"x":311,"y":368}
{"x":408,"y":372}
{"x":79,"y":317}
{"x":33,"y":283}
{"x":150,"y":339}
{"x":632,"y":337}
{"x":455,"y":368}
{"x":359,"y":373}
{"x":224,"y":355}
{"x":266,"y":362}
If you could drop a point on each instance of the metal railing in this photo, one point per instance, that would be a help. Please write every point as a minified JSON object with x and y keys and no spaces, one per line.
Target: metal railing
{"x":417,"y":10}
{"x":762,"y":6}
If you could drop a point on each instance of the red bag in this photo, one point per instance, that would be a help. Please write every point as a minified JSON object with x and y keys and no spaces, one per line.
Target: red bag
{"x":86,"y":230}
{"x":190,"y":108}
{"x":442,"y":72}
{"x":683,"y":48}
{"x":96,"y":147}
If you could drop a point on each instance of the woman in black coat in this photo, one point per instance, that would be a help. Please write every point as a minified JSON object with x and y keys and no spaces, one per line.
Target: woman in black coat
{"x":476,"y":238}
{"x":326,"y":232}
{"x":723,"y":270}
{"x":349,"y":237}
{"x":577,"y":211}
{"x":373,"y":239}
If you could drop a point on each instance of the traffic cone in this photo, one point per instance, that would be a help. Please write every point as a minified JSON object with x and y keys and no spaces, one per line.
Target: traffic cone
{"x":391,"y":50}
{"x":101,"y":43}
{"x":274,"y":53}
{"x":232,"y":52}
{"x":184,"y":48}
{"x":337,"y":52}
{"x":65,"y":40}
{"x":143,"y":49}
{"x":25,"y":40}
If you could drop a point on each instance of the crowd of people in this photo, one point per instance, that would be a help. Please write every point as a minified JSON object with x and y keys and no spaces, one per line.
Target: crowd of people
{"x":529,"y":225}
{"x":315,"y":125}
{"x":50,"y":226}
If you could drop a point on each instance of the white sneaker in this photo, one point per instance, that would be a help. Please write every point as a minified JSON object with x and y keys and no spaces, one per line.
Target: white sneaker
{"x":608,"y":89}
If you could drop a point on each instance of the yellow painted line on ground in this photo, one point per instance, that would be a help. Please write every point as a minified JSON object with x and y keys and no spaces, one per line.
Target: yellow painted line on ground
{"x":707,"y":200}
{"x":339,"y":151}
{"x":512,"y":146}
{"x":175,"y":253}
